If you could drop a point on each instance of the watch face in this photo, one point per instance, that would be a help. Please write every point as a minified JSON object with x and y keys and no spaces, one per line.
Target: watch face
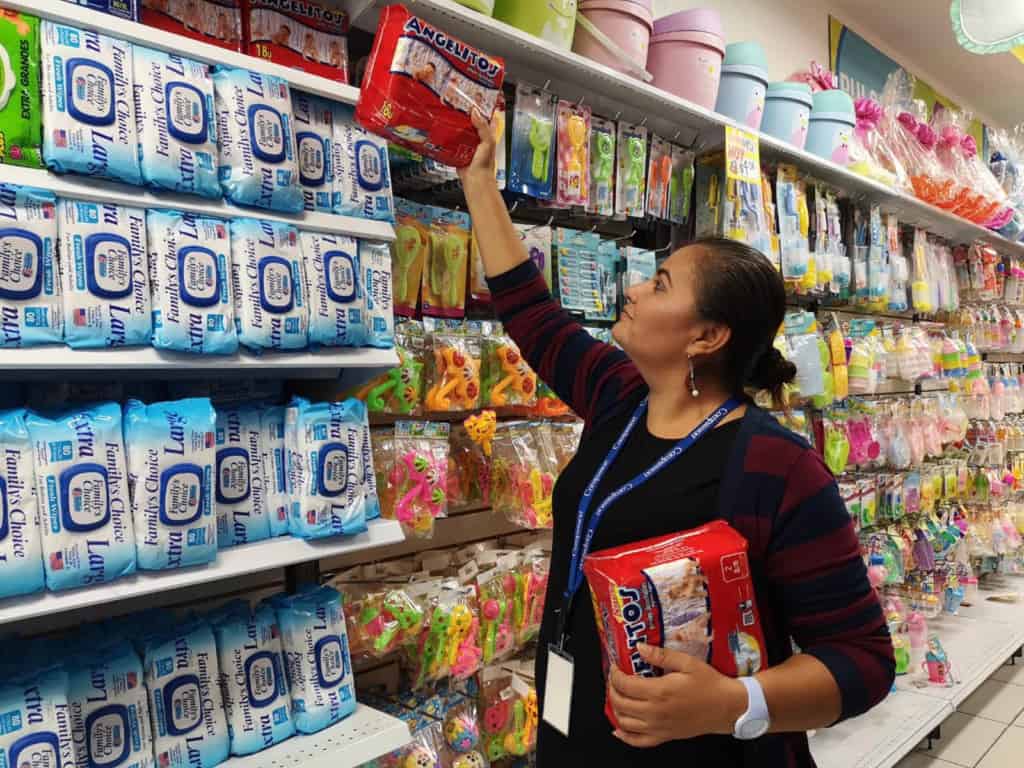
{"x":752,"y":729}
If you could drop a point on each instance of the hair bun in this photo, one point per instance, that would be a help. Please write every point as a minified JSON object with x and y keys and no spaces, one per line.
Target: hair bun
{"x":771,"y":371}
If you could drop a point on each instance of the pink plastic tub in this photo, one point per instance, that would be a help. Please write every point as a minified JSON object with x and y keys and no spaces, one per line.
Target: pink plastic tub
{"x":686,"y":55}
{"x":627,"y":23}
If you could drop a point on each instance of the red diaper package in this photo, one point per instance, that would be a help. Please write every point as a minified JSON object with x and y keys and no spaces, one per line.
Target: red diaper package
{"x":420,"y":85}
{"x":218,"y":22}
{"x":688,"y":591}
{"x":301,"y":34}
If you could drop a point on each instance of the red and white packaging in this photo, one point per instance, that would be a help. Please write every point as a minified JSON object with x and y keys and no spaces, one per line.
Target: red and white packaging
{"x":421,"y":84}
{"x":688,"y":592}
{"x":301,"y":34}
{"x":218,"y":22}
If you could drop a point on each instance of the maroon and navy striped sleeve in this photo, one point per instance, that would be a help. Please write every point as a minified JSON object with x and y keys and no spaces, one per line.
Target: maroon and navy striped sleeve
{"x":590,"y":376}
{"x":813,"y":561}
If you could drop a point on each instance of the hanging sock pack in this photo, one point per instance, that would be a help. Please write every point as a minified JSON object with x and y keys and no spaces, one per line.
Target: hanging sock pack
{"x":240,"y":486}
{"x":21,"y":551}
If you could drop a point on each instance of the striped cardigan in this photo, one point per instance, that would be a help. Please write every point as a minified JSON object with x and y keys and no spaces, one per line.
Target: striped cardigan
{"x":811,"y":582}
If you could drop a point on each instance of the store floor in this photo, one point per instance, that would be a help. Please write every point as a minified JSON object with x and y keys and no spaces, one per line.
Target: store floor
{"x":986,"y":732}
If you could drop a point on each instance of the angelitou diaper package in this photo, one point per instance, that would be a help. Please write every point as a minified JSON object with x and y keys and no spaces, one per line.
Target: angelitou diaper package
{"x":335,"y":302}
{"x":189,"y":728}
{"x":253,"y":683}
{"x":105,"y":274}
{"x":362,"y":179}
{"x":316,"y":654}
{"x":36,"y":723}
{"x":109,"y":710}
{"x":21,"y":114}
{"x":30,"y":302}
{"x":326,"y":474}
{"x":240,"y":489}
{"x":174,"y":115}
{"x":21,"y":553}
{"x":89,"y":112}
{"x":378,"y":300}
{"x":254,"y":132}
{"x":190,"y":276}
{"x":170,"y":464}
{"x":270,"y":301}
{"x":82,"y":486}
{"x":275,"y":468}
{"x":314,"y":127}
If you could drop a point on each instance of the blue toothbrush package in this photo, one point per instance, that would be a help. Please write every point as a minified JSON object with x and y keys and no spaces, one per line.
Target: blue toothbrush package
{"x":335,"y":298}
{"x":240,"y":488}
{"x":21,"y":549}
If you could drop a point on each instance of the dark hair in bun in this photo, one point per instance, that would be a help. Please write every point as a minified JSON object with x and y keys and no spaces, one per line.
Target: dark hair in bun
{"x":740,"y":288}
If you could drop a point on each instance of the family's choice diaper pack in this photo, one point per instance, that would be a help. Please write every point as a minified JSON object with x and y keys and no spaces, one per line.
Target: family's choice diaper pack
{"x":189,"y":728}
{"x":21,"y":114}
{"x":89,"y":112}
{"x":275,"y":470}
{"x":314,"y":127}
{"x":174,"y":114}
{"x":270,"y":300}
{"x":21,"y":553}
{"x":240,"y":488}
{"x":316,"y":657}
{"x":253,"y":684}
{"x":378,"y":299}
{"x":257,"y":147}
{"x":105,"y":275}
{"x":362,"y":181}
{"x":190,"y":274}
{"x":335,"y":301}
{"x":36,"y":728}
{"x":82,"y":487}
{"x":30,"y":302}
{"x":171,"y":463}
{"x":109,"y":710}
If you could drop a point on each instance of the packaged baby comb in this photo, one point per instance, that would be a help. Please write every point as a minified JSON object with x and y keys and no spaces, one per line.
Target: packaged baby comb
{"x":532,"y":161}
{"x":573,"y":154}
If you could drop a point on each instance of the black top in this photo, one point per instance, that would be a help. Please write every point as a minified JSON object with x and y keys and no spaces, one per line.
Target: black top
{"x":684,"y":495}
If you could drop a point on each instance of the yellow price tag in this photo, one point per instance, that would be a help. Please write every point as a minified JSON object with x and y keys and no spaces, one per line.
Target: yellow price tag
{"x":742,"y":155}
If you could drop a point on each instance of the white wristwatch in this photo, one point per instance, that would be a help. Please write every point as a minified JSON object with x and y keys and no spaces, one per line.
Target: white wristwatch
{"x":754,"y":723}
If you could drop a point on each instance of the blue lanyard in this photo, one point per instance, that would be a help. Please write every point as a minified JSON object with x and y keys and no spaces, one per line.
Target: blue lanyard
{"x":581,"y":542}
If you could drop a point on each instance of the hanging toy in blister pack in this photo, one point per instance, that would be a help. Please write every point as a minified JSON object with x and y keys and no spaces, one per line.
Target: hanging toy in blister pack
{"x":522,"y":476}
{"x":409,"y":253}
{"x":680,"y":186}
{"x":469,"y":471}
{"x":444,"y":274}
{"x":532,"y":167}
{"x":631,"y":178}
{"x":510,"y":714}
{"x":659,"y":178}
{"x":601,"y":199}
{"x":506,"y":378}
{"x":421,"y":84}
{"x":419,"y":475}
{"x":549,"y":405}
{"x":537,"y":240}
{"x":531,"y":587}
{"x":573,"y":185}
{"x":400,"y":390}
{"x":496,"y":589}
{"x":454,"y":378}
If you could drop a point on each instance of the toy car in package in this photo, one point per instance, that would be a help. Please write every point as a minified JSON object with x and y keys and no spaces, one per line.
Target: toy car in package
{"x":421,"y":85}
{"x":689,"y":592}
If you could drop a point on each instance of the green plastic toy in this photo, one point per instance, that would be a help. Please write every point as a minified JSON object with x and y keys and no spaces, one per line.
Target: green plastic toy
{"x":541,"y":131}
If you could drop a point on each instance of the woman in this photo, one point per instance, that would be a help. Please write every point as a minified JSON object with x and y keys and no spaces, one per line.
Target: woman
{"x":692,"y":338}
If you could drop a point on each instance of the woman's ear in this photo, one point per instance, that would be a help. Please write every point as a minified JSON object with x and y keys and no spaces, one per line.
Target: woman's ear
{"x":713,"y":337}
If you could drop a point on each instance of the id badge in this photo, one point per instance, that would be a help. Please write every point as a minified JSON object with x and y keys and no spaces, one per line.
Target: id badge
{"x":558,"y":690}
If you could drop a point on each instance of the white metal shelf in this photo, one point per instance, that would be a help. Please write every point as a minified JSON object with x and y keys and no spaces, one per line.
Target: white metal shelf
{"x":103,"y":191}
{"x":151,"y":37}
{"x":230,"y":563}
{"x":612,"y":94}
{"x":363,"y":736}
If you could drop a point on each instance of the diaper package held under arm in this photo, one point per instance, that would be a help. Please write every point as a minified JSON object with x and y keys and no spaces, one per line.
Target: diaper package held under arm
{"x":314,"y":133}
{"x":316,"y":654}
{"x":190,"y":276}
{"x":240,"y":488}
{"x":21,"y":551}
{"x":254,"y":132}
{"x":270,"y":298}
{"x":30,"y":302}
{"x":37,"y":723}
{"x":88,"y":107}
{"x":170,"y":466}
{"x":326,"y":481}
{"x":189,"y":728}
{"x":689,"y":592}
{"x":105,"y":275}
{"x":109,"y":710}
{"x":256,"y":700}
{"x":21,"y":114}
{"x":174,"y":114}
{"x":82,"y":485}
{"x":335,"y":303}
{"x":362,"y":177}
{"x":275,"y":468}
{"x":378,"y":301}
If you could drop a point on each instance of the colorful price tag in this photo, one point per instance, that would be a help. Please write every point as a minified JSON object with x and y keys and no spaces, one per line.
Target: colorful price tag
{"x":742,"y":155}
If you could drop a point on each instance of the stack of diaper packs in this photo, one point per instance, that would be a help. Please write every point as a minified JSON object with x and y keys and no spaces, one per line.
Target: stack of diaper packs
{"x":103,"y":276}
{"x":94,"y":493}
{"x":150,"y":691}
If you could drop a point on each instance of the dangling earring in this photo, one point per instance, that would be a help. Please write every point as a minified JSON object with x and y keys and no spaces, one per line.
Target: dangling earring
{"x":694,"y":392}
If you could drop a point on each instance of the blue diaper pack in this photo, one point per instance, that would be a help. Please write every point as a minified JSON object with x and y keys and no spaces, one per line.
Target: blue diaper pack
{"x":88,"y":106}
{"x":275,"y":468}
{"x":335,"y":299}
{"x":240,"y":488}
{"x":378,"y":300}
{"x":170,"y":464}
{"x":30,"y":302}
{"x":105,"y":274}
{"x":270,"y":302}
{"x":362,"y":180}
{"x":314,"y":129}
{"x":82,"y":484}
{"x":36,"y":724}
{"x":174,"y":115}
{"x":21,"y":549}
{"x":256,"y":163}
{"x":190,"y":274}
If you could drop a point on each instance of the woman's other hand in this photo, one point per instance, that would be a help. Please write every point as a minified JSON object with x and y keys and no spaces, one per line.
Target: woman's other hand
{"x":691,"y":699}
{"x":481,"y":168}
